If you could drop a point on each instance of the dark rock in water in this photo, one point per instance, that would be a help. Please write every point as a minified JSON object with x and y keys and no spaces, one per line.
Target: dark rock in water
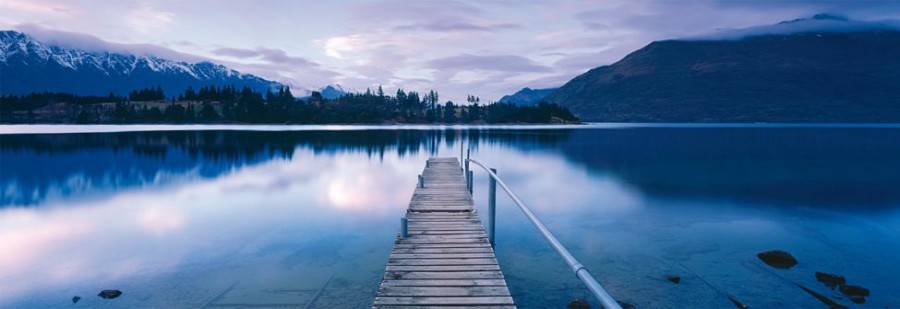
{"x":830,"y":280}
{"x":76,"y":299}
{"x":854,"y":290}
{"x":858,"y":299}
{"x":777,"y":259}
{"x":626,"y":305}
{"x":674,"y":278}
{"x":737,"y":303}
{"x":110,"y":294}
{"x":579,"y":304}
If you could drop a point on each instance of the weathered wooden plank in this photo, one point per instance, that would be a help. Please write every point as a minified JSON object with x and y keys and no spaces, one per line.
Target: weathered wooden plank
{"x":444,"y":241}
{"x":442,"y":245}
{"x":446,"y":206}
{"x":441,"y":250}
{"x":439,"y":231}
{"x":447,"y":268}
{"x":437,"y":238}
{"x":438,"y":197}
{"x":464,"y":227}
{"x":444,"y":307}
{"x":444,"y":291}
{"x":446,"y":228}
{"x":440,"y":207}
{"x":441,"y":275}
{"x":456,"y":235}
{"x":441,"y":203}
{"x":486,"y":255}
{"x":473,"y":261}
{"x":478,"y":301}
{"x":437,"y":217}
{"x":448,"y":282}
{"x":446,"y":225}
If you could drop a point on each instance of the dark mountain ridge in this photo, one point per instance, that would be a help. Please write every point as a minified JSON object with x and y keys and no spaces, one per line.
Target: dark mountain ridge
{"x":849,"y":75}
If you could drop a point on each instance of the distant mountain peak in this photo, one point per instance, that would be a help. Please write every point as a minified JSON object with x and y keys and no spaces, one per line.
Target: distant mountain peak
{"x":332,"y":87}
{"x":527,"y":96}
{"x":34,"y":66}
{"x":332,"y":91}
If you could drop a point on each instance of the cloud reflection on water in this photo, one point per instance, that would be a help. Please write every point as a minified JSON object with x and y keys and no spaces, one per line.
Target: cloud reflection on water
{"x":158,"y":229}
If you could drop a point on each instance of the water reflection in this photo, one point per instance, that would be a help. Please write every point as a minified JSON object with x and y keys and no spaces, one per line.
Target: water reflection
{"x":819,"y":167}
{"x":297,"y":218}
{"x":41,"y":166}
{"x":805,"y":166}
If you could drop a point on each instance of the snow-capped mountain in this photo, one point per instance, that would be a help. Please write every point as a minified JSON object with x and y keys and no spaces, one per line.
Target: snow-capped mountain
{"x":27,"y":65}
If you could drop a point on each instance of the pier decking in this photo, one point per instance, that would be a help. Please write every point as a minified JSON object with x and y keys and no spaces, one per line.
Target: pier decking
{"x":446,"y":260}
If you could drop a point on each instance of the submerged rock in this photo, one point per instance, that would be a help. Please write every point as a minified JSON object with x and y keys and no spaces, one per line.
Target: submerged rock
{"x":110,"y":294}
{"x":854,"y":290}
{"x":777,"y":259}
{"x":674,"y":278}
{"x":858,"y":299}
{"x":579,"y":304}
{"x":75,"y":299}
{"x":830,"y":280}
{"x":626,"y":305}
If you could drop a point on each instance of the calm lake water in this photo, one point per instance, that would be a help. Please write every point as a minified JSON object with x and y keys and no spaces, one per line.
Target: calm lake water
{"x":306,"y":217}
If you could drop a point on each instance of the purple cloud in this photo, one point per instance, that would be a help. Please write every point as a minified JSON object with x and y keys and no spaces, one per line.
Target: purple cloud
{"x":446,"y":26}
{"x":91,"y":43}
{"x":236,"y":52}
{"x":270,"y":55}
{"x":498,"y":63}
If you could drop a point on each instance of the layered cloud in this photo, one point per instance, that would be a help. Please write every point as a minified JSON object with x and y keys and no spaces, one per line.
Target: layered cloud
{"x":298,"y":72}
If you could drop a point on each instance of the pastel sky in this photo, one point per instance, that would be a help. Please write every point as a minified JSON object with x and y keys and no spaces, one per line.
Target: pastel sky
{"x":484,"y":48}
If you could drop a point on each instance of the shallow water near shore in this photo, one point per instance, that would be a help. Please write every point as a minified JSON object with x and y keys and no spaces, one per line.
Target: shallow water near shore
{"x":305,"y":217}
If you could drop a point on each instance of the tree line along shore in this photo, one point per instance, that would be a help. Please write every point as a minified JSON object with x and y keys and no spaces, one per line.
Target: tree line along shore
{"x":229,"y":104}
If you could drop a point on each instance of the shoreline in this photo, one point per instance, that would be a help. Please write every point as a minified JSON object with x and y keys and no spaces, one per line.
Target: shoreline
{"x":10,"y":129}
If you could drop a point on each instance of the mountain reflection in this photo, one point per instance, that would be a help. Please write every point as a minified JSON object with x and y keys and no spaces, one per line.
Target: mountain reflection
{"x":818,"y":167}
{"x":38,"y":166}
{"x":828,"y":167}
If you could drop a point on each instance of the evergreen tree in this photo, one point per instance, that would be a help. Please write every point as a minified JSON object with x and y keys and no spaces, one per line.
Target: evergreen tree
{"x":189,"y":94}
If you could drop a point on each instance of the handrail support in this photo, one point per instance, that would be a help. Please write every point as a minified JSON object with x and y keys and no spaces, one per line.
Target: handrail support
{"x":492,"y":208}
{"x":606,"y":300}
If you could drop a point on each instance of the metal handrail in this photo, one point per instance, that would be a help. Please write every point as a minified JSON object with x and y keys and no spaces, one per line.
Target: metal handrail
{"x":581,"y":272}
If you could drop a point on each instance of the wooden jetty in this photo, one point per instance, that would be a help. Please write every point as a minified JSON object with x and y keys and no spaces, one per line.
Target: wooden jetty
{"x":446,"y":260}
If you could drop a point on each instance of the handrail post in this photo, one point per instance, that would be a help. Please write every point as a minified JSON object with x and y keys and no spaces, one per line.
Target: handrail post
{"x":404,"y":227}
{"x":421,"y":181}
{"x":470,"y":182}
{"x":466,"y":173}
{"x":492,"y":206}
